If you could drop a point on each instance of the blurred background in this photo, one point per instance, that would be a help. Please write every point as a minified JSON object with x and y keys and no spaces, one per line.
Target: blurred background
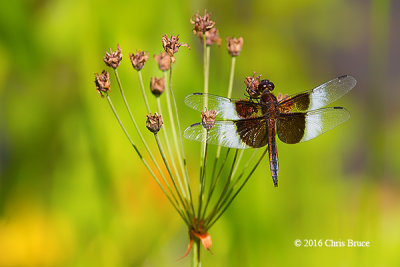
{"x":73,"y":192}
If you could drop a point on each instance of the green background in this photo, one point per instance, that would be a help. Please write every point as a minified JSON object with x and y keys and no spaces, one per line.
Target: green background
{"x":73,"y":192}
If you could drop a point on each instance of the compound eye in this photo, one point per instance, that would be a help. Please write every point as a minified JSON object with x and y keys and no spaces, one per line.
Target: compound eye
{"x":263,"y":85}
{"x":271,"y":86}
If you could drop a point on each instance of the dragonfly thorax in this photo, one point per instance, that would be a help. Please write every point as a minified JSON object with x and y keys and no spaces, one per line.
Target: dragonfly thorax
{"x":270,"y":104}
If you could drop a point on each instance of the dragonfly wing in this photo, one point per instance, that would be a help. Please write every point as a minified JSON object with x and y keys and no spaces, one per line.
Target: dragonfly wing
{"x":229,"y":109}
{"x":300,"y":127}
{"x":245,"y":133}
{"x":318,"y":97}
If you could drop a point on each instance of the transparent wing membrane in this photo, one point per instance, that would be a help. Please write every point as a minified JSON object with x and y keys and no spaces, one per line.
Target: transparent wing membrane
{"x":318,"y":97}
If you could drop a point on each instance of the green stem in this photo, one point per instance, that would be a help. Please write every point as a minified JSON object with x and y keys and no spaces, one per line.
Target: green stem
{"x":166,"y":140}
{"x":159,"y":145}
{"x":183,"y":157}
{"x":238,"y":162}
{"x":202,"y":180}
{"x":206,"y":70}
{"x":123,"y":128}
{"x":214,"y":181}
{"x":172,"y":122}
{"x":237,"y":192}
{"x":160,"y":148}
{"x":143,"y":91}
{"x":196,"y":253}
{"x":250,"y":160}
{"x":230,"y":86}
{"x":206,"y":50}
{"x":137,"y":127}
{"x":231,"y":76}
{"x":224,"y":190}
{"x":143,"y":160}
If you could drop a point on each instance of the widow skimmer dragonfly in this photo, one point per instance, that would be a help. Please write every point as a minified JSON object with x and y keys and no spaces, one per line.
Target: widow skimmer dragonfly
{"x":255,"y":122}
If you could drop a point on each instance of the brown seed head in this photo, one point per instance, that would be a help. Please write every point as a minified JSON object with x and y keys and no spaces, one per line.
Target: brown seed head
{"x":139,"y":59}
{"x":157,"y":86}
{"x":154,"y":122}
{"x":164,"y":61}
{"x":171,"y":45}
{"x":202,"y":24}
{"x":208,"y":118}
{"x":212,"y":36}
{"x":234,"y":45}
{"x":102,"y":82}
{"x":113,"y":59}
{"x":252,"y":85}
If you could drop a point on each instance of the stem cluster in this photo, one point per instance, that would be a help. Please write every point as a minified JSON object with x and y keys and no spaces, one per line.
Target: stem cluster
{"x":220,"y":178}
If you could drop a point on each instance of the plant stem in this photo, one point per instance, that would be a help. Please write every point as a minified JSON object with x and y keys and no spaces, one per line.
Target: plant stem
{"x":206,"y":59}
{"x":214,"y":181}
{"x":229,"y":95}
{"x":202,"y":180}
{"x":231,"y":76}
{"x":237,"y":192}
{"x":238,"y":162}
{"x":239,"y":177}
{"x":196,"y":253}
{"x":172,"y":121}
{"x":160,"y":148}
{"x":158,"y":143}
{"x":183,"y":158}
{"x":166,"y":140}
{"x":224,"y":190}
{"x":136,"y":126}
{"x":143,"y":91}
{"x":206,"y":70}
{"x":143,"y":160}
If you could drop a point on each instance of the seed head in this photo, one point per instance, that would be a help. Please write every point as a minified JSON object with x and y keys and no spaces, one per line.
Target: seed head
{"x":202,"y":24}
{"x":157,"y":86}
{"x":139,"y":59}
{"x":212,"y":36}
{"x":154,"y":122}
{"x":208,"y":118}
{"x":113,"y":59}
{"x":252,"y":85}
{"x":164,"y":61}
{"x":102,"y":82}
{"x":171,"y":45}
{"x":234,"y":45}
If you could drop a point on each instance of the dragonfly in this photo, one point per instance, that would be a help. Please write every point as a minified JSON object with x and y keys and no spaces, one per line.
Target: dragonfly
{"x":254,"y":122}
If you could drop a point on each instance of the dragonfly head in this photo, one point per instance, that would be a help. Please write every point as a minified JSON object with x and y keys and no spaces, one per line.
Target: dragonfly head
{"x":266,"y":85}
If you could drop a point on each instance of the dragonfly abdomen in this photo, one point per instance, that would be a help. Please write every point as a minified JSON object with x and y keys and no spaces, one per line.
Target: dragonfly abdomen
{"x":273,"y":152}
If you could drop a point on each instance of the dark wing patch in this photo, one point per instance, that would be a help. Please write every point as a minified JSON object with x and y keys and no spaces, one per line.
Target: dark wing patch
{"x":300,"y":127}
{"x":290,"y":127}
{"x":253,"y":132}
{"x":247,"y":109}
{"x":318,"y":97}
